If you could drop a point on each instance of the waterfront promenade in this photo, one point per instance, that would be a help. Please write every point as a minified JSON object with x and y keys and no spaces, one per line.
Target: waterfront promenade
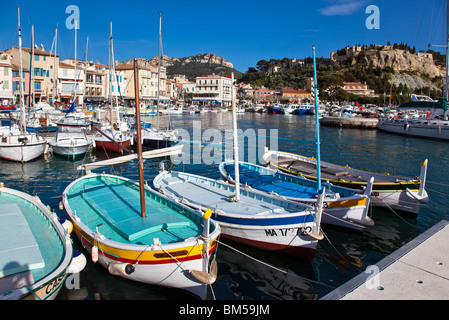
{"x":417,"y":271}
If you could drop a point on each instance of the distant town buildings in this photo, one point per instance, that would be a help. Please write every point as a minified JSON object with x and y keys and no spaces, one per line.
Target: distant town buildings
{"x":357,"y":88}
{"x":47,"y":79}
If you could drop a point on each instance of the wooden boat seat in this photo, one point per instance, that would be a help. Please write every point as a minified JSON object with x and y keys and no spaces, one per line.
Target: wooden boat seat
{"x":18,"y":253}
{"x":298,"y":167}
{"x":335,"y":172}
{"x":119,"y":207}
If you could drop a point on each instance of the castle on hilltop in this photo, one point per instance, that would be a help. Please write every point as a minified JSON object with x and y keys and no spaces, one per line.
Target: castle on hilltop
{"x":354,"y":51}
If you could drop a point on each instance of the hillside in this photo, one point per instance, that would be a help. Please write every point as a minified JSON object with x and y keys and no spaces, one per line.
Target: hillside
{"x":382,"y":68}
{"x":194,"y":66}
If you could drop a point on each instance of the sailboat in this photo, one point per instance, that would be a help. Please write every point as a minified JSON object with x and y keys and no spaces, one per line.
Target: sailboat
{"x":36,"y":253}
{"x":248,"y":216}
{"x":114,"y":139}
{"x":139,"y":234}
{"x":16,"y":144}
{"x":71,"y":139}
{"x":436,"y":125}
{"x":155,"y":137}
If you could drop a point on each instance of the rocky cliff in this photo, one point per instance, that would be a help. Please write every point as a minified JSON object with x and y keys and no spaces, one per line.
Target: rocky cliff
{"x":401,"y":61}
{"x":206,"y":58}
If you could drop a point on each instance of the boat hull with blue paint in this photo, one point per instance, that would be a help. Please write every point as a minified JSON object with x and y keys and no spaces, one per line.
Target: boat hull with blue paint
{"x":343,"y":207}
{"x":257,"y":220}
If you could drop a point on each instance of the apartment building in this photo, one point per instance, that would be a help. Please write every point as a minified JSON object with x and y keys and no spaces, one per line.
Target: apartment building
{"x":70,"y":84}
{"x":6,"y":96}
{"x":298,"y":96}
{"x":358,"y":88}
{"x":44,"y":69}
{"x":213,"y":90}
{"x":148,"y":84}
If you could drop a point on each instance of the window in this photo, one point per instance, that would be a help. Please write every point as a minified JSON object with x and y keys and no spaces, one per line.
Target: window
{"x":37,"y":86}
{"x":6,"y":71}
{"x":36,"y":57}
{"x":5,"y":85}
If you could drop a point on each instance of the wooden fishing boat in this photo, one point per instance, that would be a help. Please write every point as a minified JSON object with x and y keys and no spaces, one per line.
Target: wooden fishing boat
{"x":139,"y":234}
{"x":36,"y":253}
{"x":163,"y":248}
{"x":248,"y":216}
{"x":257,"y":219}
{"x":342,"y":207}
{"x":389,"y":191}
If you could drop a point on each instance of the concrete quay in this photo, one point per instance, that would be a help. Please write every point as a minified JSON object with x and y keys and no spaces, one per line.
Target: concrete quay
{"x":355,"y":122}
{"x":417,"y":271}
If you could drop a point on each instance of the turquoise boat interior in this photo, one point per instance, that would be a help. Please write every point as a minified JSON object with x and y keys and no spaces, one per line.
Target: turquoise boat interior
{"x":112,"y":206}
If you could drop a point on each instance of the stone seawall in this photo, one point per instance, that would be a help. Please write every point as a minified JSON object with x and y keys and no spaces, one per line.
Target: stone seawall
{"x":361,"y":123}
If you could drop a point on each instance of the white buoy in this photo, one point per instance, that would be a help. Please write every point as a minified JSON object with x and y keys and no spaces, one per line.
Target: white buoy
{"x":78,"y":263}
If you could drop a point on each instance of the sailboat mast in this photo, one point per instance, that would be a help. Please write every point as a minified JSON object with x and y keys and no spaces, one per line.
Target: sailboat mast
{"x":110,"y":73}
{"x":236,"y":143}
{"x":74,"y":96}
{"x":54,"y":69}
{"x":139,"y":139}
{"x":446,"y":88}
{"x":317,"y":124}
{"x":159,"y":70}
{"x":85,"y":68}
{"x":22,"y":105}
{"x":31,"y":69}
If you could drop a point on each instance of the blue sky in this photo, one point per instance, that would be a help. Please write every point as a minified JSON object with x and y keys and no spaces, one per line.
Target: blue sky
{"x":242,"y":32}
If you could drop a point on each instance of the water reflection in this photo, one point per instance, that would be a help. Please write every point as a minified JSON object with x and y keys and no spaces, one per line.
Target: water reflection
{"x":340,"y":257}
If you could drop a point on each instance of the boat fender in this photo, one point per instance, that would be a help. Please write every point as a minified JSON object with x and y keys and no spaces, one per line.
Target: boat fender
{"x":78,"y":263}
{"x":121,"y":269}
{"x":67,"y":225}
{"x":94,"y":254}
{"x":61,"y":206}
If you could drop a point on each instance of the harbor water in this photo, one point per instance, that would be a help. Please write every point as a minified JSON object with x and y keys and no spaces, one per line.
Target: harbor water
{"x":245,"y":273}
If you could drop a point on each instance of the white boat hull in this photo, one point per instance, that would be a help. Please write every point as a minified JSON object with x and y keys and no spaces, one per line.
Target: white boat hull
{"x":170,"y":275}
{"x":433,"y":129}
{"x":15,"y":148}
{"x":258,"y":220}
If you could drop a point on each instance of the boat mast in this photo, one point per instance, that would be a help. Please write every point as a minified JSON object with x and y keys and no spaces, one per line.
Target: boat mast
{"x":54,"y":69}
{"x":159,"y":71}
{"x":76,"y":82}
{"x":22,"y":105}
{"x":317,"y":124}
{"x":110,"y":73}
{"x":139,"y":145}
{"x":31,"y":69}
{"x":446,"y":88}
{"x":85,"y":69}
{"x":236,"y":143}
